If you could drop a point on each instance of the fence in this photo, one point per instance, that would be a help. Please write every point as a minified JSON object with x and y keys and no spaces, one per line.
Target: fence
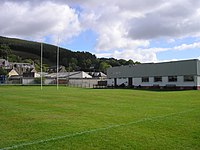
{"x":83,"y":83}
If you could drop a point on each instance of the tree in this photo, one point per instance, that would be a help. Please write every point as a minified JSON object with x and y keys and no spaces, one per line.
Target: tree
{"x":88,"y":63}
{"x":137,"y":62}
{"x":104,"y":66}
{"x":72,"y":65}
{"x":38,"y":80}
{"x":30,"y":61}
{"x":3,"y":71}
{"x":84,"y":61}
{"x":122,"y":62}
{"x":14,"y":58}
{"x":5,"y":51}
{"x":129,"y":62}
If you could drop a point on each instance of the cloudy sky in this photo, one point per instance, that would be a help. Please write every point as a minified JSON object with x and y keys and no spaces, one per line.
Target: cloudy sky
{"x":142,"y":30}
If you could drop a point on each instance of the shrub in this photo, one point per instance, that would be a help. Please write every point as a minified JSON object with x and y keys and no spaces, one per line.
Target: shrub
{"x":38,"y":80}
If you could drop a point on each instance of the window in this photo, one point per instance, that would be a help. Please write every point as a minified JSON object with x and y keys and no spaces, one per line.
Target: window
{"x":145,"y":79}
{"x":172,"y":79}
{"x":158,"y":79}
{"x":188,"y":78}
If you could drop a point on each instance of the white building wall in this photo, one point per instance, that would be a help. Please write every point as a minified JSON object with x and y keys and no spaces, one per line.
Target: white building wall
{"x":87,"y":83}
{"x":137,"y":81}
{"x":49,"y":81}
{"x":160,"y":83}
{"x":165,"y":82}
{"x":198,"y":80}
{"x":180,"y":82}
{"x":26,"y":81}
{"x":150,"y":83}
{"x":110,"y":82}
{"x":122,"y":81}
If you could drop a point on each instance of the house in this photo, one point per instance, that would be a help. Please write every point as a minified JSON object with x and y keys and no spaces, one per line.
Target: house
{"x":70,"y":75}
{"x":4,"y":63}
{"x":13,"y":73}
{"x":183,"y":74}
{"x":53,"y":69}
{"x":20,"y":68}
{"x":99,"y":75}
{"x":17,"y":69}
{"x":31,"y":73}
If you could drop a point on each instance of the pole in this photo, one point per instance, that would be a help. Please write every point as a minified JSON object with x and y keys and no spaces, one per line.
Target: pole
{"x":68,"y":73}
{"x":57,"y":64}
{"x":41,"y":64}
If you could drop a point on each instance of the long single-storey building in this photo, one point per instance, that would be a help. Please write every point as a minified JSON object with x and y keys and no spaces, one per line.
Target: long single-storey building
{"x":183,"y":74}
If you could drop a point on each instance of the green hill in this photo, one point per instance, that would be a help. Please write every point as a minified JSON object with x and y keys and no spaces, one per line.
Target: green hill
{"x":23,"y":50}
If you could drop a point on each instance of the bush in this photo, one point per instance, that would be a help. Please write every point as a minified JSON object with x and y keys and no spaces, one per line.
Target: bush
{"x":38,"y":80}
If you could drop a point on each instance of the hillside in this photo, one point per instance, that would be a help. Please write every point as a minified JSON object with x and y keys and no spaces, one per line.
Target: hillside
{"x":22,"y":50}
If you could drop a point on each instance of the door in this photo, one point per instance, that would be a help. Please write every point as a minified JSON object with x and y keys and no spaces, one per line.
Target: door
{"x":115,"y":82}
{"x":130,"y":82}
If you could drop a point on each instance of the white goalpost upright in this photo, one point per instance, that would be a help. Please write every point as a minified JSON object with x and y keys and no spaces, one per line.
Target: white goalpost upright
{"x":41,"y":75}
{"x":41,"y":49}
{"x":57,"y":65}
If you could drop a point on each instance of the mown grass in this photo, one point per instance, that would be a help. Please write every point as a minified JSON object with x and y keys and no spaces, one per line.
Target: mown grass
{"x":98,"y":119}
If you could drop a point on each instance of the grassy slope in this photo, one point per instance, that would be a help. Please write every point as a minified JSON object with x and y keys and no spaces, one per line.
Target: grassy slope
{"x":28,"y":114}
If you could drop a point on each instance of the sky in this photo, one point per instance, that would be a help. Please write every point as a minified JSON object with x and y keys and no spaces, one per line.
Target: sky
{"x":141,"y":30}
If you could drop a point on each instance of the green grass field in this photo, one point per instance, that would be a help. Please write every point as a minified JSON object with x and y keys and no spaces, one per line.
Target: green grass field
{"x":75,"y":118}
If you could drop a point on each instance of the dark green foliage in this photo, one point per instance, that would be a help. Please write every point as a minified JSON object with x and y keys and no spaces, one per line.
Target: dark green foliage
{"x":3,"y":71}
{"x":5,"y":51}
{"x":20,"y":50}
{"x":38,"y":80}
{"x":104,"y":66}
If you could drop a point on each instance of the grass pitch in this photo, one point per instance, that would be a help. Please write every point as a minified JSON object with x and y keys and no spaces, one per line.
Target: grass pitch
{"x":74,"y":118}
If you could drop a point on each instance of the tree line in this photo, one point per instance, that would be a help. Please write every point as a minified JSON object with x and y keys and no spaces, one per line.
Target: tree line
{"x":16,"y":50}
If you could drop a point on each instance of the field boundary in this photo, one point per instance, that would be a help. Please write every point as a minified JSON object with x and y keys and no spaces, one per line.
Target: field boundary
{"x":96,"y":130}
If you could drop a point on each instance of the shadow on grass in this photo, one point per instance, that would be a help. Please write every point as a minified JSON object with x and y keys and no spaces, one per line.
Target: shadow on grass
{"x":149,"y":89}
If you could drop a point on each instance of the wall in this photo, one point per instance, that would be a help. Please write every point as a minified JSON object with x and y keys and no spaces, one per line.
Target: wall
{"x":87,"y":83}
{"x":110,"y":82}
{"x":26,"y":81}
{"x":121,"y":81}
{"x":138,"y":82}
{"x":198,"y":80}
{"x":178,"y":68}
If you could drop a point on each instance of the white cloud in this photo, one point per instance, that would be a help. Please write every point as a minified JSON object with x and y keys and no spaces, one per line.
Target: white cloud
{"x":124,"y":29}
{"x":44,"y":20}
{"x":109,"y":22}
{"x":187,"y":46}
{"x":136,"y":55}
{"x":174,"y":19}
{"x":148,"y":54}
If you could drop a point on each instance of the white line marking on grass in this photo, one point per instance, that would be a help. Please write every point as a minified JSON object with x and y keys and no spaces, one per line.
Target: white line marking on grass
{"x":94,"y":130}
